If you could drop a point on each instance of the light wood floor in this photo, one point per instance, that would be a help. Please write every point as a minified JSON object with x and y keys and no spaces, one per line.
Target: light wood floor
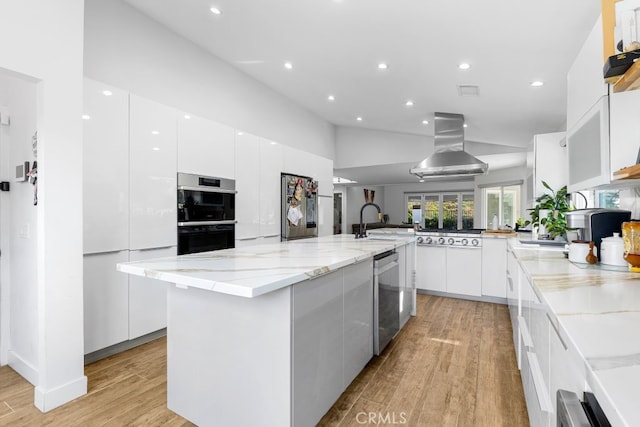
{"x":452,"y":365}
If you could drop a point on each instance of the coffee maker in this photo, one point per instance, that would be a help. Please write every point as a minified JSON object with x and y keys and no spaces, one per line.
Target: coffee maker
{"x":594,"y":224}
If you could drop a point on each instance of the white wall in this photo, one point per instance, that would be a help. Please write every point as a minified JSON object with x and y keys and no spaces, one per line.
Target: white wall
{"x":355,"y":200}
{"x":365,"y":147}
{"x":126,"y":49}
{"x":19,"y":263}
{"x":43,"y":39}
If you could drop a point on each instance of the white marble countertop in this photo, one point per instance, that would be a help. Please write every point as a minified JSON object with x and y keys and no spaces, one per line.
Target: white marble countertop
{"x":598,"y":311}
{"x":255,"y":270}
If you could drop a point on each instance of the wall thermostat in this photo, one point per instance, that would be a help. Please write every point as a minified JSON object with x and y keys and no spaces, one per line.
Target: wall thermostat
{"x":22,"y":171}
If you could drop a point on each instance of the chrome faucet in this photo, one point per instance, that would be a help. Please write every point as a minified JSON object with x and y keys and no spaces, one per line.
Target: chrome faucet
{"x":362,"y":232}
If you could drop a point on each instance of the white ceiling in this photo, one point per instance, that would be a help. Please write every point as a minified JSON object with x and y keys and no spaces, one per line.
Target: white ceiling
{"x":335,"y":46}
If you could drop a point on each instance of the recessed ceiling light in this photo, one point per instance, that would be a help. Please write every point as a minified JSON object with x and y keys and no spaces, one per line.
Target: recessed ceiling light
{"x":464,"y":66}
{"x":537,"y":83}
{"x":155,"y":132}
{"x":156,"y":148}
{"x":240,"y":133}
{"x":465,"y":125}
{"x":186,"y":116}
{"x":107,"y":93}
{"x":288,"y":65}
{"x":382,"y":66}
{"x":86,"y":117}
{"x":215,"y":11}
{"x":425,"y":122}
{"x":274,"y":143}
{"x":331,"y":98}
{"x":359,"y":118}
{"x":409,"y":103}
{"x":421,"y":180}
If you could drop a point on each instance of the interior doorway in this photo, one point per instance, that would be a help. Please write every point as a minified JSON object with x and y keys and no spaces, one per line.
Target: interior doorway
{"x":337,"y":213}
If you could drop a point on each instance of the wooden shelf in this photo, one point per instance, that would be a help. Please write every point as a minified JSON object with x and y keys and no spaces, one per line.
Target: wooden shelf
{"x":632,"y":172}
{"x":630,"y":80}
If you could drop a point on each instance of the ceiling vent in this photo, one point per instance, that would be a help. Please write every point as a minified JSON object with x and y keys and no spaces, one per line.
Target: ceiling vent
{"x":468,"y":90}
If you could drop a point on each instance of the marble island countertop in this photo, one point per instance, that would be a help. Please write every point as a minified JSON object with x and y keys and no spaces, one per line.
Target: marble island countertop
{"x":598,"y":311}
{"x":255,"y":270}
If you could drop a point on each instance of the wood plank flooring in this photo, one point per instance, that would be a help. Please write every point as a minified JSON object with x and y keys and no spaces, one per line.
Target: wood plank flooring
{"x":452,"y":365}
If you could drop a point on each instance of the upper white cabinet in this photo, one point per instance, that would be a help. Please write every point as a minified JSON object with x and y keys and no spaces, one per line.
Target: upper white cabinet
{"x":248,"y":197}
{"x":271,"y":167}
{"x":152,"y":174}
{"x":585,"y":83}
{"x":325,"y":216}
{"x":307,"y":164}
{"x":205,"y":147}
{"x":105,"y":168}
{"x":624,"y":129}
{"x":550,"y":162}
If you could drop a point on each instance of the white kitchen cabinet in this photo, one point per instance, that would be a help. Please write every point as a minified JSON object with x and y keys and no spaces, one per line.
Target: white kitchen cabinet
{"x":318,"y":346}
{"x":406,"y":261}
{"x":147,"y":297}
{"x":152,"y":174}
{"x":248,"y":197}
{"x":319,"y":168}
{"x":325,"y":215}
{"x":585,"y":84}
{"x":205,"y":147}
{"x":105,"y":152}
{"x":550,"y":162}
{"x":106,"y":301}
{"x":494,"y":267}
{"x":513,"y":300}
{"x":464,"y":271}
{"x":624,"y":129}
{"x":431,"y":274}
{"x":358,"y":319}
{"x":270,"y":169}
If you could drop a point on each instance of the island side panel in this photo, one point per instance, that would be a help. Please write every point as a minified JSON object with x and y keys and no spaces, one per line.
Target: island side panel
{"x":229,"y":358}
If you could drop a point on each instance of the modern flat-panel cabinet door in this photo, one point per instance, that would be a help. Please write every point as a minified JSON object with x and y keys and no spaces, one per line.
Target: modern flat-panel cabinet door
{"x":106,"y":301}
{"x":105,"y":168}
{"x":325,"y":216}
{"x":271,"y":166}
{"x":317,"y":347}
{"x":358,"y":319}
{"x":494,"y":267}
{"x":247,"y":186}
{"x":205,"y":147}
{"x":153,"y":189}
{"x":431,"y":272}
{"x":147,"y":297}
{"x":464,"y":271}
{"x":407,"y":307}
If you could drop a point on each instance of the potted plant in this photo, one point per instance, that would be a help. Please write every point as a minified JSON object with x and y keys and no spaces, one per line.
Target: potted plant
{"x":549,"y":211}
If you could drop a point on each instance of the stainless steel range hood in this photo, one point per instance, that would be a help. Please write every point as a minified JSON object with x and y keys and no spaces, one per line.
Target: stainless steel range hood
{"x":449,"y":157}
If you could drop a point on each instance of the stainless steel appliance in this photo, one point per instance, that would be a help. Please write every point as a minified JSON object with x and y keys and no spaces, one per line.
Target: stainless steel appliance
{"x":386,"y":300}
{"x":573,"y":413}
{"x":206,"y":213}
{"x":299,"y":207}
{"x":594,"y":224}
{"x":471,"y":239}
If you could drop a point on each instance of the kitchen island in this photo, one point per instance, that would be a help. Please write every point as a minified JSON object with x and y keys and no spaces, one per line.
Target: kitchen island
{"x":269,"y":334}
{"x":580,"y":326}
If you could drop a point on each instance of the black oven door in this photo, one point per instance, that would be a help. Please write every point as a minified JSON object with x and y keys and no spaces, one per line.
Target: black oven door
{"x":203,"y":238}
{"x":204,"y":205}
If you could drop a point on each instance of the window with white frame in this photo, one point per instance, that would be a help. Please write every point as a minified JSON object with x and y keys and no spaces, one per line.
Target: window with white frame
{"x":449,"y":210}
{"x":503,"y":201}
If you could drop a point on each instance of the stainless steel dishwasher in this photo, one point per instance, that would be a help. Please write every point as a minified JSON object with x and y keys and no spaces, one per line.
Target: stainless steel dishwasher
{"x":386,"y":300}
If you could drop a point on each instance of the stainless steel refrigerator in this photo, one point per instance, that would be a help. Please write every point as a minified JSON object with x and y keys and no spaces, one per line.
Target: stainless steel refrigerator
{"x":299,"y":207}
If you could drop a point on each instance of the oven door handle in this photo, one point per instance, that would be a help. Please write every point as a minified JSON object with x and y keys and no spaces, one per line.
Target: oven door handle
{"x":192,"y":223}
{"x":206,"y":189}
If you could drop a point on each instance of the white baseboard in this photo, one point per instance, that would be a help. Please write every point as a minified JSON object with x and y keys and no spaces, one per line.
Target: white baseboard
{"x":22,"y":367}
{"x":46,"y":400}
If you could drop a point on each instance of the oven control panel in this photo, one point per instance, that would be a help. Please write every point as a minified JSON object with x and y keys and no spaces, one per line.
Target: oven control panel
{"x":449,"y":239}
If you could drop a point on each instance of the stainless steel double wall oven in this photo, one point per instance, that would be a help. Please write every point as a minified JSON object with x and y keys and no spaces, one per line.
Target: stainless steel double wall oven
{"x":206,"y":213}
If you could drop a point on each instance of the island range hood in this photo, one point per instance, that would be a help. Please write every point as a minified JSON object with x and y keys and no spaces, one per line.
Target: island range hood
{"x":449,"y":158}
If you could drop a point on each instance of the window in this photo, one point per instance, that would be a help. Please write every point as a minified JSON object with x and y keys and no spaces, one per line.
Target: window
{"x":441,"y":210}
{"x":504,"y":203}
{"x":596,"y":198}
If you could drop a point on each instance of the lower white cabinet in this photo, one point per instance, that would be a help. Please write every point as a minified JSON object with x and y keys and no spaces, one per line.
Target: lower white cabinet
{"x":494,"y":266}
{"x":464,"y":270}
{"x":147,"y":297}
{"x":332,"y":338}
{"x":406,"y":261}
{"x":431,"y":274}
{"x":106,"y":301}
{"x":317,"y":347}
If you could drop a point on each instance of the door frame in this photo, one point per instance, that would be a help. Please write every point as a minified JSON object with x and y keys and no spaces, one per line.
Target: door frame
{"x":5,"y":160}
{"x":343,"y":207}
